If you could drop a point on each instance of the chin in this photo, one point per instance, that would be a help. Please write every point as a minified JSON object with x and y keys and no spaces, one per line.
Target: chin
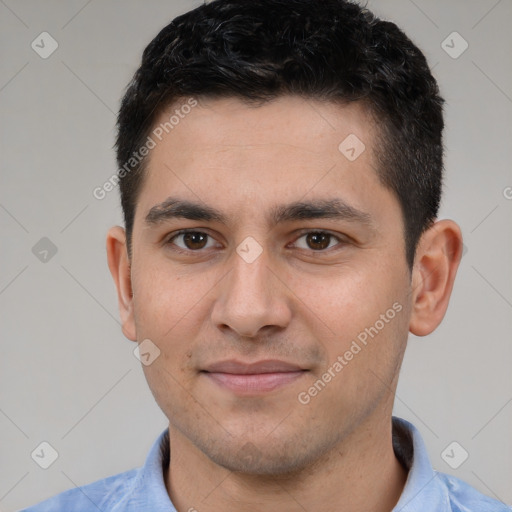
{"x":250,"y":462}
{"x":265,"y":457}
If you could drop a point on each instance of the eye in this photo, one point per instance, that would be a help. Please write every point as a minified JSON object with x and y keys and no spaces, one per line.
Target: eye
{"x":318,"y":240}
{"x":195,"y":241}
{"x":191,"y":240}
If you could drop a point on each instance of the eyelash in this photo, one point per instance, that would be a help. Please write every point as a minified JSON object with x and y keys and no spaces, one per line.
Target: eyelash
{"x":169,"y":241}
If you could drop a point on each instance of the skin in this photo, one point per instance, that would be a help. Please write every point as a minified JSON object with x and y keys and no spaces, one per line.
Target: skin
{"x":294,"y":302}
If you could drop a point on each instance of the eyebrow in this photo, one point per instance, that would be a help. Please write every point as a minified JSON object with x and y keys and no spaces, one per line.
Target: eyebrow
{"x":337,"y":209}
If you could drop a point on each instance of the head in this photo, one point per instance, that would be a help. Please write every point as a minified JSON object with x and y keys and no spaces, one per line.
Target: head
{"x":333,"y":51}
{"x":300,"y":144}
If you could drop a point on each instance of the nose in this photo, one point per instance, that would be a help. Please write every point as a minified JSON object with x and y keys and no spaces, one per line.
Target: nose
{"x":251,"y":298}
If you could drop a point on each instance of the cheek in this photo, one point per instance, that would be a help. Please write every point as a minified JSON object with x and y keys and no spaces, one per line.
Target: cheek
{"x":166,"y":302}
{"x":169,"y":386}
{"x":345,"y":302}
{"x":360,"y":318}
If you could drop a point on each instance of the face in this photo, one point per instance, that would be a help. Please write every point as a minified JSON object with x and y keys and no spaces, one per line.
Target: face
{"x":281,"y":313}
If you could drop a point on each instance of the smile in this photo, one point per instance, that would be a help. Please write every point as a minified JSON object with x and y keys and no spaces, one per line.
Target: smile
{"x":253,"y":378}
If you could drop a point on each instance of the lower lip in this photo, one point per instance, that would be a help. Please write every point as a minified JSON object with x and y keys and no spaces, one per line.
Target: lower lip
{"x":254,"y":383}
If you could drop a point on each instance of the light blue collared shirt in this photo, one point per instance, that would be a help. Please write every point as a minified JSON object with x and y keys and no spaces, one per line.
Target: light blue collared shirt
{"x":143,"y":489}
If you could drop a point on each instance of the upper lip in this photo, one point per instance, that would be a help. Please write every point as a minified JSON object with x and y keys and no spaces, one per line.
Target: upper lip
{"x":240,"y":368}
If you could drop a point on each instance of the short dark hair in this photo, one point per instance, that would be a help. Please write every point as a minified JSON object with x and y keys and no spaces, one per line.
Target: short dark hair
{"x":331,"y":50}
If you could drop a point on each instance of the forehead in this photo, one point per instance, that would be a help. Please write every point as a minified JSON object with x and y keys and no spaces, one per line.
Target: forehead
{"x":306,"y":125}
{"x":225,"y":152}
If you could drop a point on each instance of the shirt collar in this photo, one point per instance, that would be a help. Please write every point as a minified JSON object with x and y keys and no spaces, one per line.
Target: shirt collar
{"x":422,"y":492}
{"x":148,"y":490}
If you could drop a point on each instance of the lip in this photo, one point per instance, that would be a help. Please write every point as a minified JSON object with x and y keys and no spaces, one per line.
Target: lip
{"x":253,"y":378}
{"x":265,"y":366}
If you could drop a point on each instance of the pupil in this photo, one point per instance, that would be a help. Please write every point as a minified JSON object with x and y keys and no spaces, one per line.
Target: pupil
{"x":192,"y":239}
{"x":320,"y":240}
{"x":316,"y":241}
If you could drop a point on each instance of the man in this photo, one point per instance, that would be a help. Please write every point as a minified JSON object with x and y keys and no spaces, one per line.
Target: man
{"x":280,"y":167}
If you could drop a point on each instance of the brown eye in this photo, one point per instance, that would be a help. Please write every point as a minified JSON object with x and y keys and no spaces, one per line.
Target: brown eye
{"x":318,"y":241}
{"x":195,"y":240}
{"x":190,"y":240}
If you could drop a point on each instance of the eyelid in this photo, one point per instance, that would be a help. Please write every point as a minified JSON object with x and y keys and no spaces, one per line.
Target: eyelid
{"x":172,"y":236}
{"x":342,"y":239}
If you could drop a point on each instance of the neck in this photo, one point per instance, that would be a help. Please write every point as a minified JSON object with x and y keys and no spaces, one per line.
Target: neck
{"x":359,"y":474}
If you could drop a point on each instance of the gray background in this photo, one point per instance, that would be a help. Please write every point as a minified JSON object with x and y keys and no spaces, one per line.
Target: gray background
{"x":69,"y":377}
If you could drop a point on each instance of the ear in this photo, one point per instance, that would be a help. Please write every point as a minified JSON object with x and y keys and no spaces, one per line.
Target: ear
{"x":435,"y":265}
{"x":119,"y":265}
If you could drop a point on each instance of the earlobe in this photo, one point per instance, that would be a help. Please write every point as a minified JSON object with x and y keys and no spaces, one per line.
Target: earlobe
{"x":119,"y":265}
{"x":437,"y":259}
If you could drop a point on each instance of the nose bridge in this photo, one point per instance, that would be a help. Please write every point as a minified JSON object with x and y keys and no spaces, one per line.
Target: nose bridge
{"x":250,"y":276}
{"x":248,"y":299}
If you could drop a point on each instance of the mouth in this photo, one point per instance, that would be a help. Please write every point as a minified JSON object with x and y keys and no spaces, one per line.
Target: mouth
{"x":253,"y":378}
